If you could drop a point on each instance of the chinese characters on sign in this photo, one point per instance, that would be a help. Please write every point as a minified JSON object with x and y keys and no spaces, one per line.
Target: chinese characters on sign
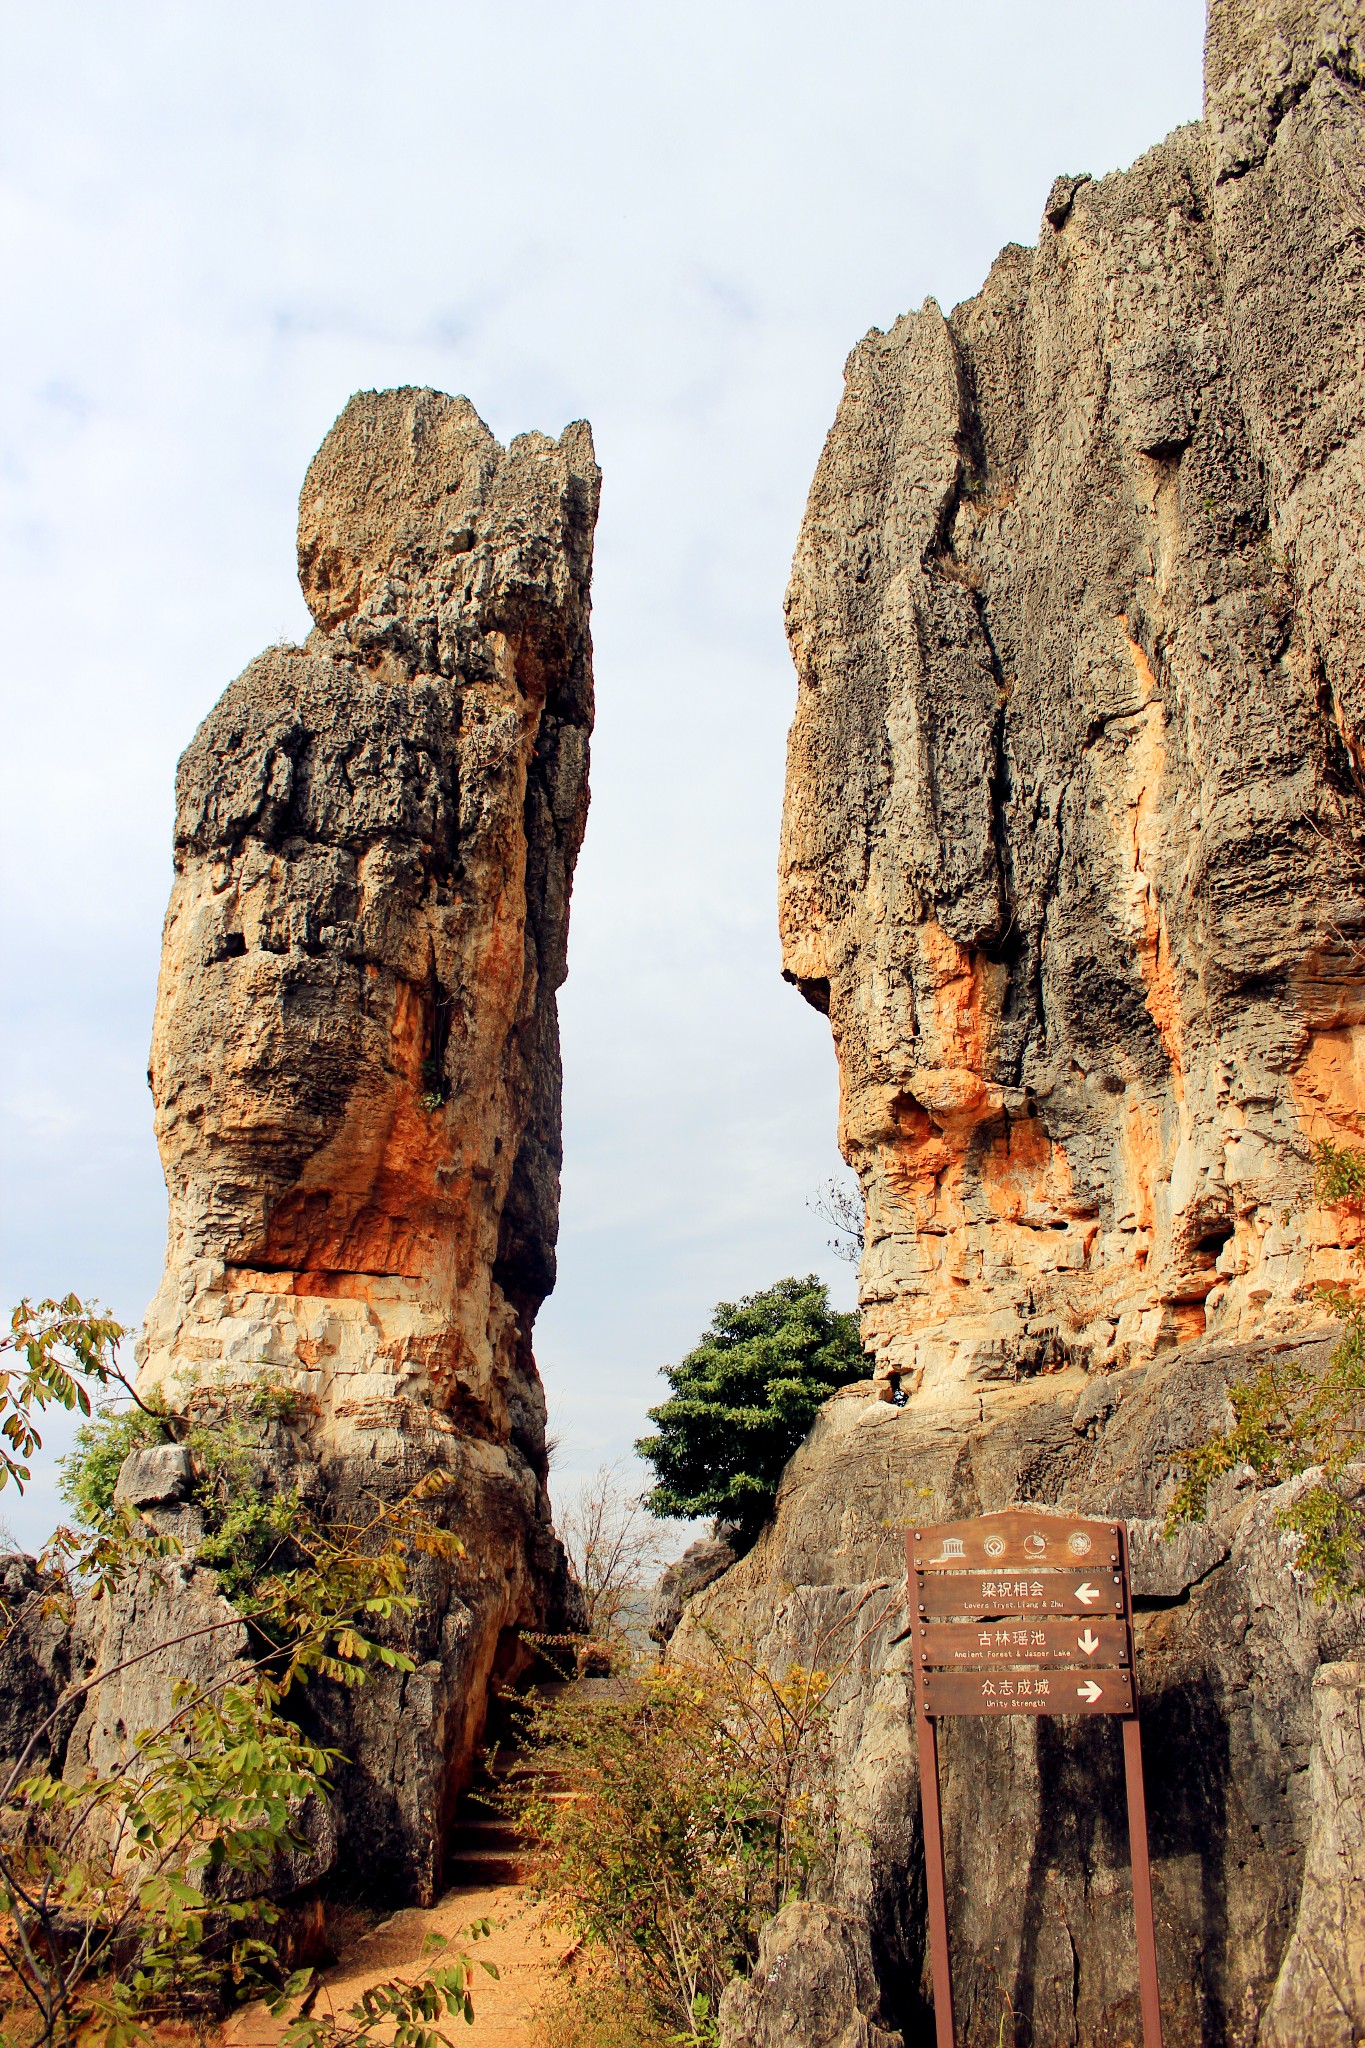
{"x":1025,"y":1613}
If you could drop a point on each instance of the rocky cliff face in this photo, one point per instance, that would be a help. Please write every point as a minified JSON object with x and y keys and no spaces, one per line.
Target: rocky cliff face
{"x":1072,"y":852}
{"x":355,"y":1058}
{"x":1074,"y":859}
{"x":1252,"y":1772}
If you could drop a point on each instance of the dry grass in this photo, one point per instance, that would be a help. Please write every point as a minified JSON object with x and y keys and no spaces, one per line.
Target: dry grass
{"x":592,"y":2008}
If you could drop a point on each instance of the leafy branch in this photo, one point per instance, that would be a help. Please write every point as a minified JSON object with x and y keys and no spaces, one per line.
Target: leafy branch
{"x":137,"y":1892}
{"x":64,"y":1346}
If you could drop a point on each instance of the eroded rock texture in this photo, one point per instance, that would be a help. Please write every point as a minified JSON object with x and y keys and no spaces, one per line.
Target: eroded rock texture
{"x":355,"y":1058}
{"x":1074,"y":858}
{"x":1255,"y":1776}
{"x":1072,"y":851}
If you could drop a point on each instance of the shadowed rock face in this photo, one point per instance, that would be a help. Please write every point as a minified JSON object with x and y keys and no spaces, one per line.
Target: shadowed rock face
{"x":1254,"y":1772}
{"x":1072,"y":852}
{"x":355,"y":1058}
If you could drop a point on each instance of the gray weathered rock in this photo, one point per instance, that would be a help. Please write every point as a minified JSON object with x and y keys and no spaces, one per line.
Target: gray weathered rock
{"x":1320,"y":1994}
{"x":35,"y":1664}
{"x":156,"y":1477}
{"x":164,"y":1624}
{"x":355,"y":1066}
{"x":1036,"y":1842}
{"x":700,"y":1565}
{"x":820,"y":1967}
{"x":1163,"y":1567}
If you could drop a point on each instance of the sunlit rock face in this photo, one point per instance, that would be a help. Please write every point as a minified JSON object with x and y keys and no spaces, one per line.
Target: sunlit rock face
{"x":355,"y":1058}
{"x":1072,"y":857}
{"x":1072,"y":850}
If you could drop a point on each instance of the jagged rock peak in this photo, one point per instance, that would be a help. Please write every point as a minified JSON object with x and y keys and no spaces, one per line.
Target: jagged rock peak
{"x":355,"y":1055}
{"x":1074,"y":859}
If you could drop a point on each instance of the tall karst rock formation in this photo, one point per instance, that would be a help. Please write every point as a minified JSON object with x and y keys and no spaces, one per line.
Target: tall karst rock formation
{"x":1074,"y":859}
{"x":1074,"y":853}
{"x":355,"y":1059}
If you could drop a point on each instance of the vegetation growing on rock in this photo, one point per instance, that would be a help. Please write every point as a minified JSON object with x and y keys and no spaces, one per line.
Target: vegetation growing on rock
{"x":743,"y":1399}
{"x":143,"y":1887}
{"x":702,"y":1805}
{"x":1300,"y":1416}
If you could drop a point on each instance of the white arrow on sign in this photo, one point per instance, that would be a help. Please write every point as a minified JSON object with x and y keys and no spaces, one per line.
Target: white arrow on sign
{"x":1089,"y":1642}
{"x":1090,"y":1692}
{"x":1087,"y":1592}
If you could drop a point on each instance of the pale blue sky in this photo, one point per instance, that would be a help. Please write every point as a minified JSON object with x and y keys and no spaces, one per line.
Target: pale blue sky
{"x":219,"y":222}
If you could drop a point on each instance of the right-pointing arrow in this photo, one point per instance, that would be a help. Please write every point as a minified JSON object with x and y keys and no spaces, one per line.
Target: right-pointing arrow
{"x":1086,"y":1593}
{"x":1090,"y":1692}
{"x":1089,"y":1642}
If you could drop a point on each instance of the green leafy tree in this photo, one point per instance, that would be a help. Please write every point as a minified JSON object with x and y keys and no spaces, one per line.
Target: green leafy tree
{"x":743,"y":1400}
{"x":1301,"y":1418}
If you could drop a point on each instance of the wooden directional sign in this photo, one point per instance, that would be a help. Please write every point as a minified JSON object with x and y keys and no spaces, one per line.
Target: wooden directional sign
{"x":976,"y":1593}
{"x":1015,"y":1541}
{"x":1023,"y":1639}
{"x":1025,"y":1613}
{"x":1047,"y":1692}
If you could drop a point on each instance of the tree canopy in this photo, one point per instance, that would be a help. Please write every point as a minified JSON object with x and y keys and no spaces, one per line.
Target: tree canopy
{"x":744,"y":1398}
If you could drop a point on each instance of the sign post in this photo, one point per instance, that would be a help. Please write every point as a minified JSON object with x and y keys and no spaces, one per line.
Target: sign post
{"x":1023,"y":1613}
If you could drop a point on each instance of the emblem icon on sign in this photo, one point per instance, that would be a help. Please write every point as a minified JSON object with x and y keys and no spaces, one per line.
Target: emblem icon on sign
{"x":994,"y":1546}
{"x":1035,"y":1544}
{"x":1079,"y":1543}
{"x":953,"y":1546}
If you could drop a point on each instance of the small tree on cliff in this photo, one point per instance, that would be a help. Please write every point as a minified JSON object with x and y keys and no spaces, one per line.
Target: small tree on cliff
{"x":744,"y":1398}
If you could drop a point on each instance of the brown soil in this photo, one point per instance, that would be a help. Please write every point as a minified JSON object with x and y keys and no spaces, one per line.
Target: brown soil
{"x":528,"y":1949}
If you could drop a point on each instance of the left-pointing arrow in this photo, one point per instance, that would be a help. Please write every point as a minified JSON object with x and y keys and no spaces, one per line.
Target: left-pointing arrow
{"x":1087,"y":1593}
{"x":1090,"y":1692}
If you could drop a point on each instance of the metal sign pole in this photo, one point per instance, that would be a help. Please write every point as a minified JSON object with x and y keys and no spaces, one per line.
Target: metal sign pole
{"x":935,"y":1881}
{"x":1139,"y":1855}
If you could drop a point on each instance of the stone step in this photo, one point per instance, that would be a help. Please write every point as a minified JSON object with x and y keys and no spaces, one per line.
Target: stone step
{"x":476,"y":1834}
{"x":471,"y":1869}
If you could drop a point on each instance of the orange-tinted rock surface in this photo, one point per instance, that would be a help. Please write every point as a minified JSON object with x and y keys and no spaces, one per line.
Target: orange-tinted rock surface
{"x":1072,"y":850}
{"x":1072,"y":858}
{"x":355,"y":1058}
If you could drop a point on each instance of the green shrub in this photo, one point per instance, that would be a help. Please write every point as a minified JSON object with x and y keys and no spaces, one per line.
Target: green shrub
{"x":595,"y":2008}
{"x":744,"y":1398}
{"x":129,"y":1894}
{"x":246,"y":1531}
{"x":89,"y":1473}
{"x":1298,"y":1417}
{"x":703,"y":1802}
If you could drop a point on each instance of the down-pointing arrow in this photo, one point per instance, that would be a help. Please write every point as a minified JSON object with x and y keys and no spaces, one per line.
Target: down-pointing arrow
{"x":1087,"y":1592}
{"x":1089,"y":1642}
{"x":1090,"y":1692}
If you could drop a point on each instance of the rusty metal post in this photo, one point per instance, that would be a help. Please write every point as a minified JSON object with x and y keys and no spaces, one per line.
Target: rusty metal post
{"x":1139,"y":1855}
{"x":1011,"y":1617}
{"x":935,"y":1880}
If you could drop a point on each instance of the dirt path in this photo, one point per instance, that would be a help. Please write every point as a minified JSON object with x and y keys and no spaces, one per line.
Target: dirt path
{"x":527,"y":1948}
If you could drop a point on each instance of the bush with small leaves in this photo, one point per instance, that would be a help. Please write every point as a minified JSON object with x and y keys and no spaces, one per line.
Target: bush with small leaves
{"x":1300,"y":1417}
{"x":140,"y":1892}
{"x":744,"y":1398}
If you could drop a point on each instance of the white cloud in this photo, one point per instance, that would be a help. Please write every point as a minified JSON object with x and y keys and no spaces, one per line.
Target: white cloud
{"x":216,"y":224}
